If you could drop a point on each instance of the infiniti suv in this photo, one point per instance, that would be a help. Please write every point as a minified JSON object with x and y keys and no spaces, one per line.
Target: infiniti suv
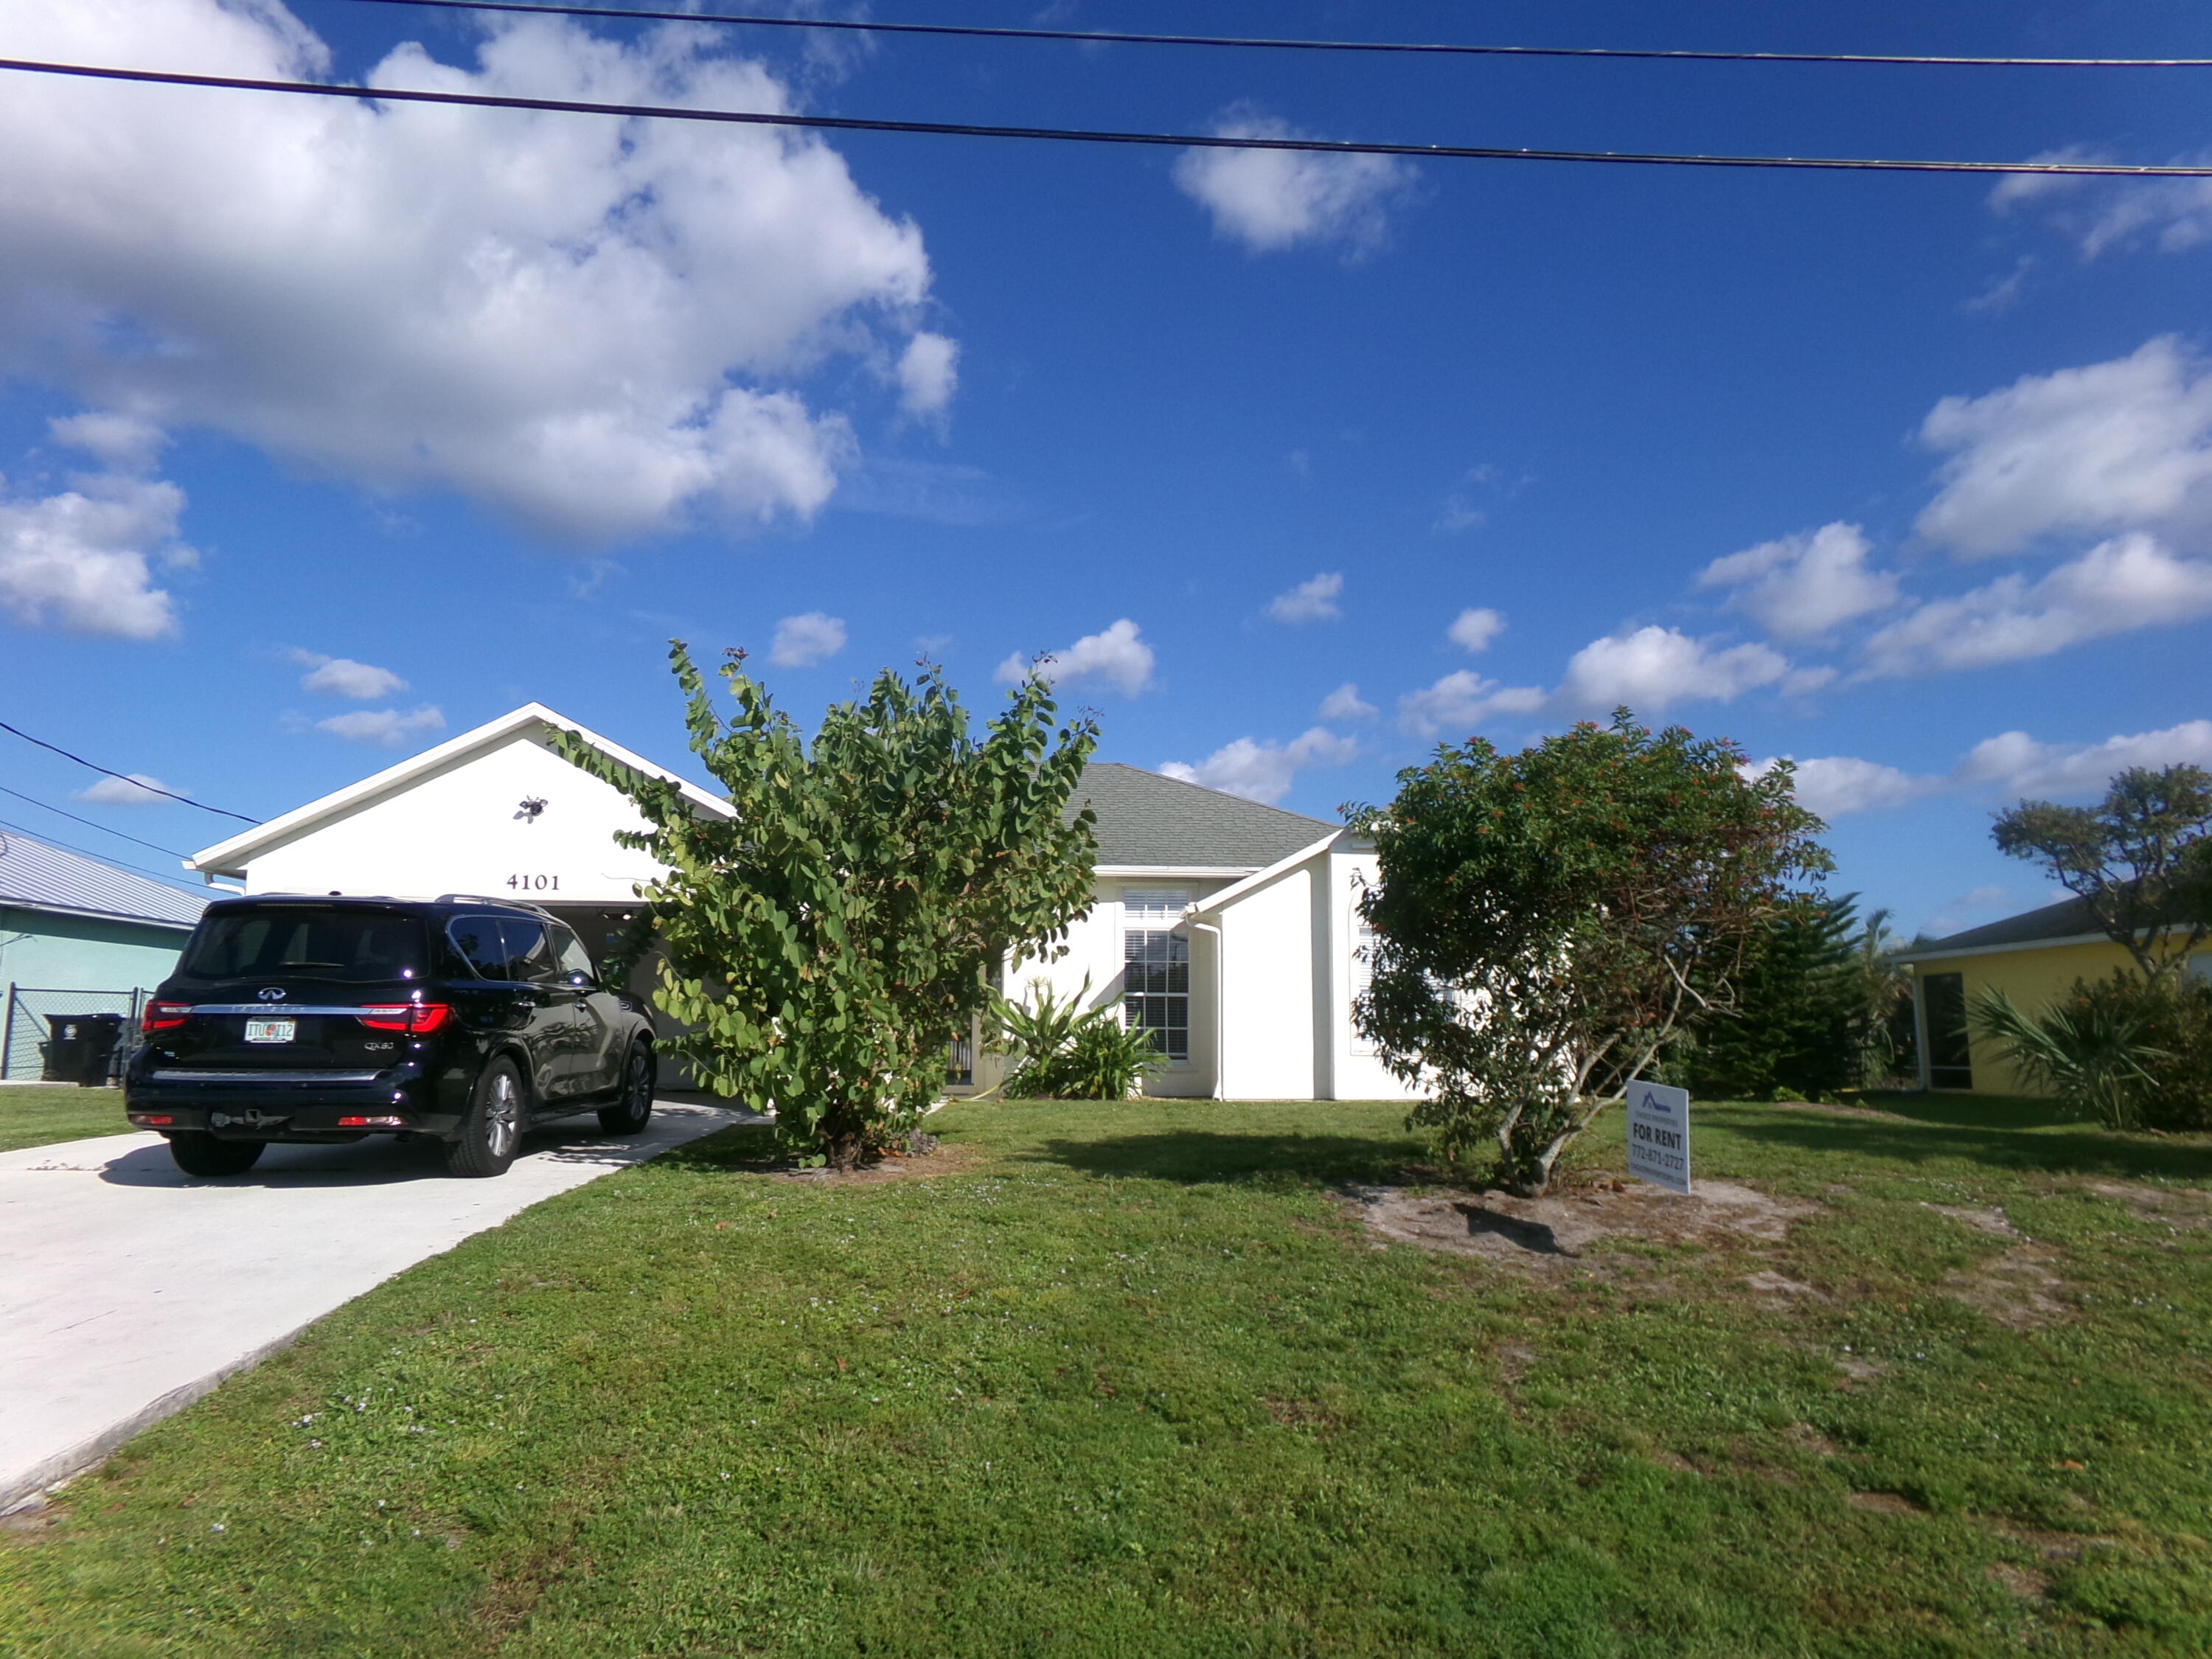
{"x":461,"y":1020}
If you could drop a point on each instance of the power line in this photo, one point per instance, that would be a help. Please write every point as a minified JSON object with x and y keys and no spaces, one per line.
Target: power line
{"x":48,"y":806}
{"x":1088,"y":135}
{"x":1118,"y":38}
{"x":151,"y":789}
{"x":97,"y":858}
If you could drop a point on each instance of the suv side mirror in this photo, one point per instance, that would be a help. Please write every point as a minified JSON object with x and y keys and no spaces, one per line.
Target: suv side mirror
{"x":582,"y":982}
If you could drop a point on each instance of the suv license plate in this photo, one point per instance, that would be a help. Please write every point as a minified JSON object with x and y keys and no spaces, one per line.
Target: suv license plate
{"x":270,"y":1031}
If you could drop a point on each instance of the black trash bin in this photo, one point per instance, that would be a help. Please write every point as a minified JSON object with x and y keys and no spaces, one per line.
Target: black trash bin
{"x":82,"y":1047}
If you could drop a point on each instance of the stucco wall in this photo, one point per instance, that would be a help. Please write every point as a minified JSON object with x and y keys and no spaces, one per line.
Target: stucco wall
{"x":1356,"y":1072}
{"x":461,"y":831}
{"x":1095,"y":948}
{"x":1268,"y":990}
{"x":2032,"y":979}
{"x":84,"y":953}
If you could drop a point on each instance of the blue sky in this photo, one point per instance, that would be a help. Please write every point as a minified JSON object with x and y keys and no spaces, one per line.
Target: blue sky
{"x":328,"y":434}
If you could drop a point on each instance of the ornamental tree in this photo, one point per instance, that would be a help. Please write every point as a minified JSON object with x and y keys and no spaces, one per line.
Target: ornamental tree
{"x":822,"y":946}
{"x":1546,"y":920}
{"x":2141,"y":859}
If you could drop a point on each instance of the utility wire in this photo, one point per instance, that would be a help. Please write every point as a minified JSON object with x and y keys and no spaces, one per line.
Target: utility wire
{"x":46,"y":806}
{"x":97,"y":858}
{"x":150,"y":789}
{"x":1088,"y":135}
{"x":1118,"y":38}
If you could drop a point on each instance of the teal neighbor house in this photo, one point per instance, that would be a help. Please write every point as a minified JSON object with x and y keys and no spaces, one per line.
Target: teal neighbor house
{"x":68,"y":922}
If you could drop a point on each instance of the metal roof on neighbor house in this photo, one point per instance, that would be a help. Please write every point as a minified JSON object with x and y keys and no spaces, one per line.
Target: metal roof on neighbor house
{"x":1145,"y":819}
{"x":36,"y":877}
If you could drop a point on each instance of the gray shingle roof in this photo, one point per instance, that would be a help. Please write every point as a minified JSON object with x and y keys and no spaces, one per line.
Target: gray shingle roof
{"x":1145,"y":819}
{"x":2068,"y":918}
{"x":37,"y":877}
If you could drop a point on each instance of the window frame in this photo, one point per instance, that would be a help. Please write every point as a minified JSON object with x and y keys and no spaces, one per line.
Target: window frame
{"x":1150,"y":906}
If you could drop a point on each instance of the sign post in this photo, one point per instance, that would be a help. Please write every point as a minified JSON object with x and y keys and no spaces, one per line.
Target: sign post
{"x":1659,"y":1134}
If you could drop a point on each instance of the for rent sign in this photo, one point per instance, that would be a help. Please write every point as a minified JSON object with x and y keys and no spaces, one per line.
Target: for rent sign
{"x":1659,"y":1135}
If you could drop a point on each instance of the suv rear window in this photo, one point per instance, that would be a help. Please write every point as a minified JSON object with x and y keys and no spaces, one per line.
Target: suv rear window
{"x":354,"y":946}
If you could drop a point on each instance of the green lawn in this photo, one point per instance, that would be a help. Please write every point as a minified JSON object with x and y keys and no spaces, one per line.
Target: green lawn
{"x":1125,"y":1379}
{"x":35,"y":1116}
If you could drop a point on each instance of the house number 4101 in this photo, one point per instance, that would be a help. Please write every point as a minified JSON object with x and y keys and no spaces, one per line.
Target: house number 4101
{"x":535,"y":883}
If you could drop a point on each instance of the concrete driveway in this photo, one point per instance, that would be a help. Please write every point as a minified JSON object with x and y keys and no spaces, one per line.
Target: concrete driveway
{"x":128,"y":1289}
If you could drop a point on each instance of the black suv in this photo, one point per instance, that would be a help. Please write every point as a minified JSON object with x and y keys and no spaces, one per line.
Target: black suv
{"x":462,"y":1020}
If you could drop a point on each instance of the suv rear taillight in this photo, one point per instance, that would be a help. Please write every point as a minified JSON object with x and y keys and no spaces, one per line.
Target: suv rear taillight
{"x":164,"y":1016}
{"x":415,"y":1018}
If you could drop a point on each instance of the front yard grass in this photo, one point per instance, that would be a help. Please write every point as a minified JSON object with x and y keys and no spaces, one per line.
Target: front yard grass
{"x":31,"y":1115}
{"x":1127,"y":1380}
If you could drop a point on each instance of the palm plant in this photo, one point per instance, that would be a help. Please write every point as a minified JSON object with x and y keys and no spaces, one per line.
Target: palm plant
{"x":1056,"y":1050}
{"x":2090,"y":1055}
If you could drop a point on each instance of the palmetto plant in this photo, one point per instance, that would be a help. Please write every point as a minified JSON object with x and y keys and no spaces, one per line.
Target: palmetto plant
{"x":2092,"y":1056}
{"x":1056,"y":1050}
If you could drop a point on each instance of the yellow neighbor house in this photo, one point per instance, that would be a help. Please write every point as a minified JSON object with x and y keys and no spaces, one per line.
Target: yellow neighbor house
{"x":2034,"y":959}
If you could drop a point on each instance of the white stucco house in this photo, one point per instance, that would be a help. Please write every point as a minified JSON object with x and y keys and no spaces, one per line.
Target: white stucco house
{"x":1227,"y":926}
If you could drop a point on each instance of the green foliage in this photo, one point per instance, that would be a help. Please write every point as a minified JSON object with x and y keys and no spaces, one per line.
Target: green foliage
{"x":2093,"y":1054}
{"x":2133,"y":1053}
{"x":1887,"y":1040}
{"x":2141,"y":858}
{"x":1059,"y":1051}
{"x":1797,"y":1028}
{"x":1546,"y":920}
{"x":820,"y":944}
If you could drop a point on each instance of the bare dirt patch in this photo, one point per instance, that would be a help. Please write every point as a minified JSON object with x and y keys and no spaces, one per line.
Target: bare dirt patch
{"x":1555,"y":1233}
{"x":1981,"y":1220}
{"x":945,"y":1160}
{"x":2016,"y":1288}
{"x":2176,"y":1206}
{"x":1770,"y":1283}
{"x":2023,"y":1582}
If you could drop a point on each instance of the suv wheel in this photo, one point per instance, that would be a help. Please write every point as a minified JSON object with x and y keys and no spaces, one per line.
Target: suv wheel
{"x":630,"y":1114}
{"x":494,"y":1127}
{"x":200,"y":1153}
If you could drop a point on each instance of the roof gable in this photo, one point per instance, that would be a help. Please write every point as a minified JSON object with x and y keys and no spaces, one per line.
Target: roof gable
{"x":227,"y":857}
{"x":39,"y":877}
{"x":1148,"y":819}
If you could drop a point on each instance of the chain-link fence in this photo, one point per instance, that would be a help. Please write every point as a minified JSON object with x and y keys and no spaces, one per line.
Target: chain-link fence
{"x":67,"y":1036}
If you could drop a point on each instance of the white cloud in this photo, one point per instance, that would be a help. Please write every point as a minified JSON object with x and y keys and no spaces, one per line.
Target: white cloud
{"x":1273,"y":199}
{"x":593,"y":326}
{"x":81,"y":560}
{"x":928,"y":374}
{"x":804,"y":639}
{"x":1474,"y":630}
{"x":1310,"y":601}
{"x":2114,"y":446}
{"x":1344,"y":703}
{"x":137,"y":790}
{"x":1803,"y":586}
{"x":1460,"y":701}
{"x":1263,"y":771}
{"x":2098,"y":214}
{"x":387,"y":727}
{"x":342,"y":676}
{"x":1655,"y":667}
{"x":2118,"y":586}
{"x":2020,"y":766}
{"x":1116,"y":655}
{"x":1833,"y":785}
{"x":2009,"y":765}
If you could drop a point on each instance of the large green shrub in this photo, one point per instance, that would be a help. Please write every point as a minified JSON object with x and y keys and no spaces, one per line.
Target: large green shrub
{"x":1546,"y":920}
{"x":822,"y":944}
